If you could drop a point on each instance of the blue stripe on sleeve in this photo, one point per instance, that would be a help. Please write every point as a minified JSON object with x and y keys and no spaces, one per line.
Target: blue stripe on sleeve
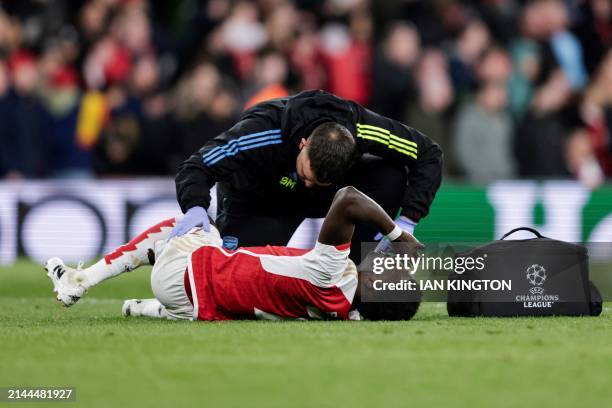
{"x":243,"y":145}
{"x":225,"y":150}
{"x":243,"y":148}
{"x":247,"y":142}
{"x":217,"y":150}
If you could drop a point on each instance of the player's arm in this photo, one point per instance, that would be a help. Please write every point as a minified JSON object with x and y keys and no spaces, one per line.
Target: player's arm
{"x":421,"y":156}
{"x":327,"y":262}
{"x":351,"y":206}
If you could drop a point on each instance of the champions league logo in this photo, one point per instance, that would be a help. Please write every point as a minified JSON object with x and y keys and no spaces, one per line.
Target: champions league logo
{"x":536,"y":276}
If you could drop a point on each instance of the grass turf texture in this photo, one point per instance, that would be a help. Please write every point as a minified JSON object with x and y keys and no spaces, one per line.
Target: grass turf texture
{"x":430,"y":361}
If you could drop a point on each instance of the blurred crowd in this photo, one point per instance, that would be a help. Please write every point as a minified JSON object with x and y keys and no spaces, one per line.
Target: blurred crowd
{"x":508,"y":88}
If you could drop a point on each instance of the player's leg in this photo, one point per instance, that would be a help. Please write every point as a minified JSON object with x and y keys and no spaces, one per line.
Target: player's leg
{"x":145,"y":308}
{"x":257,"y":226}
{"x":169,"y":277}
{"x":138,"y":252}
{"x":71,"y":284}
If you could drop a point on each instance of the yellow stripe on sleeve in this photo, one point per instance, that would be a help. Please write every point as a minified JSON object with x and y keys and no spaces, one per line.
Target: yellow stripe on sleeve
{"x":388,"y":139}
{"x":389,"y":143}
{"x":386,"y":132}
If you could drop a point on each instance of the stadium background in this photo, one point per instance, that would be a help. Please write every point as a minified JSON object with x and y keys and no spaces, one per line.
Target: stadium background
{"x":101,"y":99}
{"x":122,"y":89}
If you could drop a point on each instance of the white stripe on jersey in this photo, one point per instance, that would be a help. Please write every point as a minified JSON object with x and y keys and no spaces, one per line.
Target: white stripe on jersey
{"x":325,"y":266}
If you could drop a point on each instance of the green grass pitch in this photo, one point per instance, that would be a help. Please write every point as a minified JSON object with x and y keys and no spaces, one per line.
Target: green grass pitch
{"x":432,"y":361}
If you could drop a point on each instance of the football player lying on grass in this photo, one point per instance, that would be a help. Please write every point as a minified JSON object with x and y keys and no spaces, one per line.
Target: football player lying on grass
{"x":195,"y":278}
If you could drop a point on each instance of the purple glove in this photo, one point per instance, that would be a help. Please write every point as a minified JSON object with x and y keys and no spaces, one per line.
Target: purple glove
{"x":405,"y":223}
{"x":194,"y":217}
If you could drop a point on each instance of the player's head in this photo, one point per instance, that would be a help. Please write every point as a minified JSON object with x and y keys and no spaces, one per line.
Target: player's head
{"x":387,"y":306}
{"x":326,"y":155}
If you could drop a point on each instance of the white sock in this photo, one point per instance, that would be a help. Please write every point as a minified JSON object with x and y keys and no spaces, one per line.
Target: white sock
{"x":130,"y":256}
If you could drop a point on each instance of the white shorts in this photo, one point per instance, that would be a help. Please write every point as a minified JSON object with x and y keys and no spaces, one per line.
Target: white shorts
{"x":167,"y":277}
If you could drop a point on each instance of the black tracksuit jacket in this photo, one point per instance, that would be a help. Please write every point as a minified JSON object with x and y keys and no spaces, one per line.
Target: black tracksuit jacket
{"x":251,"y":160}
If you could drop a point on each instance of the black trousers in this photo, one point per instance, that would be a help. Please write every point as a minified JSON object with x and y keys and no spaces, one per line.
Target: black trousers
{"x":383,"y":182}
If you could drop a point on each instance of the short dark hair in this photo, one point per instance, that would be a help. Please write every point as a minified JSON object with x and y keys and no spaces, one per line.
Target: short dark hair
{"x":375,"y":305}
{"x":331,"y":151}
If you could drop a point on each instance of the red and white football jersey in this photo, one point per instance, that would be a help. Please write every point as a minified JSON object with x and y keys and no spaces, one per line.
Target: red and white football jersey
{"x":271,"y":283}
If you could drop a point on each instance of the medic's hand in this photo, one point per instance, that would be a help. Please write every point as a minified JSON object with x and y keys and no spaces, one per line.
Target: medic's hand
{"x":406,"y":224}
{"x":194,"y":217}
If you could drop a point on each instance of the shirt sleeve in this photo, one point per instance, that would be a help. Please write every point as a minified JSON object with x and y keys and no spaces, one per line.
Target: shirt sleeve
{"x":245,"y":147}
{"x":326,"y":264}
{"x":421,"y":157}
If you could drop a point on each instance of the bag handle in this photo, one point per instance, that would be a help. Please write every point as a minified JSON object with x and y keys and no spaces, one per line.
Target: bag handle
{"x":532,"y":230}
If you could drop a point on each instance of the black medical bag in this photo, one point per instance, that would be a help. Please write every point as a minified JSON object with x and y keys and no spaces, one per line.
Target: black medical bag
{"x":542,"y":276}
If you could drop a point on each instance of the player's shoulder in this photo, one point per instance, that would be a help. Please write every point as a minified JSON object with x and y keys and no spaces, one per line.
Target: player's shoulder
{"x":342,"y":249}
{"x":326,"y":263}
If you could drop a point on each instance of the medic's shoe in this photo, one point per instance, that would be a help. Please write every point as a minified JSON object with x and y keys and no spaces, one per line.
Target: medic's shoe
{"x":68,"y":283}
